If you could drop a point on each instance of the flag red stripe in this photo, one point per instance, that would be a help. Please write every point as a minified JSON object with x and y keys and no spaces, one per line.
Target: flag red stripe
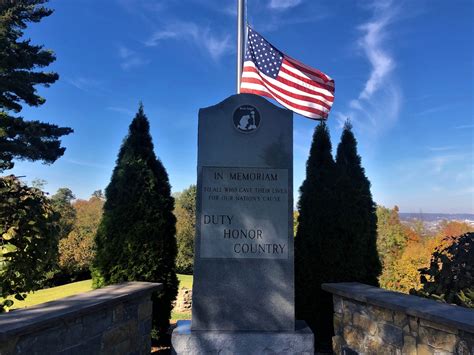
{"x":291,"y":104}
{"x":293,"y":84}
{"x":303,"y":88}
{"x":289,"y":93}
{"x":263,"y":93}
{"x":298,"y":74}
{"x":256,"y":92}
{"x":309,"y":70}
{"x":306,"y":80}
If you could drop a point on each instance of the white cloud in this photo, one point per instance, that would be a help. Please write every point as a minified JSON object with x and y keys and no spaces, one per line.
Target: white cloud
{"x":382,"y":63}
{"x":377,"y":106}
{"x":130,"y":58}
{"x":202,"y":37}
{"x":283,"y":4}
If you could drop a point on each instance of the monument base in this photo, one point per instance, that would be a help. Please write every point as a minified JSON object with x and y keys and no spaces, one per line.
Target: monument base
{"x":187,"y":341}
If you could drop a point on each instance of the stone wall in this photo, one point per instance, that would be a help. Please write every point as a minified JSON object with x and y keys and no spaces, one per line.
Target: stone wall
{"x":370,"y":320}
{"x":111,"y":320}
{"x":183,"y":301}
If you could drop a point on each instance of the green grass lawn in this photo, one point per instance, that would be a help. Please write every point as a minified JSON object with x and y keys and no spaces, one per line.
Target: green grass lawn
{"x":54,"y":293}
{"x":185,"y":281}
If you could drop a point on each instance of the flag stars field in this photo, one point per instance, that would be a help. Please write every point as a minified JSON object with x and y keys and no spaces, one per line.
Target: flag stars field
{"x":299,"y":88}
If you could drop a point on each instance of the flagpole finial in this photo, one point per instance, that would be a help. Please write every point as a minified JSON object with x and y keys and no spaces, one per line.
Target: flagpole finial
{"x":240,"y":40}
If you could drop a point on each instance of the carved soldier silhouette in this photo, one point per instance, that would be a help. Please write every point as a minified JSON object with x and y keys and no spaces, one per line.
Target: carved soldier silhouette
{"x":247,"y":122}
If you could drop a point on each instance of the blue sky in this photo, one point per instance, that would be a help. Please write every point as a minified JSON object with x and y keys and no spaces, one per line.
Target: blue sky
{"x":403,"y":73}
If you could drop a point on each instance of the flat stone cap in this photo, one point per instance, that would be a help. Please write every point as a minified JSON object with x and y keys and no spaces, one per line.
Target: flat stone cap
{"x":451,"y":315}
{"x":35,"y":317}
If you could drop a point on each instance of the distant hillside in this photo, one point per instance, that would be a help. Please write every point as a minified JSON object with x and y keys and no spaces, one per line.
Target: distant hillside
{"x":433,"y":217}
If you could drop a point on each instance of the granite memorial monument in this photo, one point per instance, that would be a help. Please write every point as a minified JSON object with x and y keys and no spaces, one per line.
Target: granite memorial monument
{"x":243,"y":291}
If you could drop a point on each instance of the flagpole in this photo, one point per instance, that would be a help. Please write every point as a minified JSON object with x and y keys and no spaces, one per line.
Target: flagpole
{"x":240,"y":40}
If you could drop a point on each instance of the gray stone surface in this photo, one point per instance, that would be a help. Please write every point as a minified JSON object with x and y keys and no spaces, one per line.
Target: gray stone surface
{"x":112,"y":320}
{"x":437,"y":312}
{"x":36,"y":317}
{"x":185,"y":341}
{"x":253,"y":290}
{"x":384,"y":322}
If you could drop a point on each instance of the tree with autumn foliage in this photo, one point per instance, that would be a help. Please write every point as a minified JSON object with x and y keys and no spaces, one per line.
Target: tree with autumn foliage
{"x":407,"y":248}
{"x":404,"y":271}
{"x":76,"y":251}
{"x":62,"y":204}
{"x":391,"y":241}
{"x":453,"y":228}
{"x":185,"y":212}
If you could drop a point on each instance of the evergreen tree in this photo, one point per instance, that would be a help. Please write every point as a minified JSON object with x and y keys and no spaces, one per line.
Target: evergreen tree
{"x":357,"y":214}
{"x":135,"y":240}
{"x":19,"y":59}
{"x":318,"y":249}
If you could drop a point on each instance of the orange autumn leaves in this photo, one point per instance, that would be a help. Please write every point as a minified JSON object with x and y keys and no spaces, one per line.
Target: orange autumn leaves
{"x":406,"y":247}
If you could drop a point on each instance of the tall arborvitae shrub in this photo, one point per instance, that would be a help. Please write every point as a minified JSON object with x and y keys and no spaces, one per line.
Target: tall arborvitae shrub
{"x":357,"y":214}
{"x":318,"y":249}
{"x":136,"y":237}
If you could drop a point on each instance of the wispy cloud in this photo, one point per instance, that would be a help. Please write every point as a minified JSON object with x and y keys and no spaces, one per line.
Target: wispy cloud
{"x":86,"y":84}
{"x":382,"y":63}
{"x":146,"y":10}
{"x":148,"y":5}
{"x":224,"y":7}
{"x":465,"y":126}
{"x":377,"y":105}
{"x":85,"y":163}
{"x":277,"y":13}
{"x":440,"y":168}
{"x":283,"y":4}
{"x":441,"y":149}
{"x":122,"y":110}
{"x":439,"y":162}
{"x":129,"y":58}
{"x":434,"y":110}
{"x":214,"y":45}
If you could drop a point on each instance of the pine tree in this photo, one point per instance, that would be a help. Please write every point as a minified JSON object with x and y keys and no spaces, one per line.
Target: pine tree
{"x":318,"y":250}
{"x":19,"y":59}
{"x":357,"y":214}
{"x":136,"y":237}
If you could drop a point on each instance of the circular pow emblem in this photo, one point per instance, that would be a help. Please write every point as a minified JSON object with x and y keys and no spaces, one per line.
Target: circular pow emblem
{"x":246,"y":119}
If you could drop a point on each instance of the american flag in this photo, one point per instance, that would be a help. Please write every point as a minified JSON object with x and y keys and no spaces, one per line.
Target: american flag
{"x":271,"y":73}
